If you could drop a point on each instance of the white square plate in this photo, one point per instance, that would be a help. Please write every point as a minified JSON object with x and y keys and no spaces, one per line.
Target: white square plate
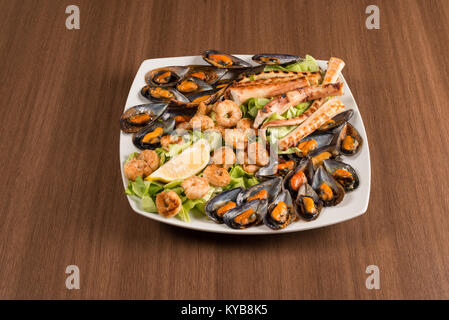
{"x":354,"y":203}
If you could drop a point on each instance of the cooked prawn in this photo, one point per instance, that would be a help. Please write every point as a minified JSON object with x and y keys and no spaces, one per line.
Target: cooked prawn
{"x":217,"y":176}
{"x":136,"y":168}
{"x":258,"y":154}
{"x":202,"y":122}
{"x":151,"y":158}
{"x":223,"y":156}
{"x":245,"y":123}
{"x":183,"y":125}
{"x":250,"y":168}
{"x":228,"y":113}
{"x":195,"y":187}
{"x":236,"y":138}
{"x":168,"y":140}
{"x":168,"y":203}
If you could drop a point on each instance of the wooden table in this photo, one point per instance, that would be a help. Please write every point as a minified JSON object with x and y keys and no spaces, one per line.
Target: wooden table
{"x":62,"y":201}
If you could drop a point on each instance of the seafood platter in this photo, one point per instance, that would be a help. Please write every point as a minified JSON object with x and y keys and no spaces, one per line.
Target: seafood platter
{"x":244,"y":144}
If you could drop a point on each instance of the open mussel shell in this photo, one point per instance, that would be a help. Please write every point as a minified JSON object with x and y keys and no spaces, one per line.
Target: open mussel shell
{"x":223,"y":60}
{"x":166,"y":76}
{"x":149,"y":137}
{"x":336,"y":121}
{"x":299,"y":176}
{"x":343,"y":173}
{"x":269,"y":58}
{"x":308,"y":204}
{"x":327,"y":152}
{"x":133,"y":119}
{"x":208,"y":97}
{"x":349,"y":140}
{"x":268,"y":189}
{"x":163,"y":94}
{"x":191,"y":85}
{"x":316,"y":141}
{"x":246,"y":215}
{"x":208,"y":74}
{"x":327,"y":188}
{"x":281,"y":212}
{"x":217,"y":206}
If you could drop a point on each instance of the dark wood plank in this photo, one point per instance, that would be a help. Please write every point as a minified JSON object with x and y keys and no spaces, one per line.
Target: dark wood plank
{"x":62,"y":198}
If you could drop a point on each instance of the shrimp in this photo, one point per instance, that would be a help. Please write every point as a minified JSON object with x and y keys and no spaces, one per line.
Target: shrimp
{"x":151,"y":158}
{"x":184,"y":125}
{"x":168,"y":203}
{"x":202,"y":122}
{"x":258,"y":154}
{"x":216,"y":176}
{"x":168,"y":140}
{"x":223,"y":156}
{"x":250,"y":168}
{"x":228,"y":113}
{"x":203,"y":109}
{"x":245,"y":123}
{"x":136,"y":168}
{"x":236,"y":138}
{"x":195,"y":187}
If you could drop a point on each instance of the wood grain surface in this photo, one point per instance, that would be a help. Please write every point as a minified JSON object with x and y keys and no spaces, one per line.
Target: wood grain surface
{"x":62,"y":199}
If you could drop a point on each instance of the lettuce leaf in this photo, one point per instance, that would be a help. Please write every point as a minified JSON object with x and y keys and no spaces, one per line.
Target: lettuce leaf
{"x":148,"y":204}
{"x":308,"y":64}
{"x":252,"y":106}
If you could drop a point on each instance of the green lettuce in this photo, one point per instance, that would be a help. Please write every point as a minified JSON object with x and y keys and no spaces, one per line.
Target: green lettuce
{"x":308,"y":64}
{"x":252,"y":106}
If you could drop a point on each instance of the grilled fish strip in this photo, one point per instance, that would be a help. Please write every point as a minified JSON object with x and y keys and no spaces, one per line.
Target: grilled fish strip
{"x":335,"y":66}
{"x":265,"y":88}
{"x":294,"y":97}
{"x":313,"y":77}
{"x":317,"y":119}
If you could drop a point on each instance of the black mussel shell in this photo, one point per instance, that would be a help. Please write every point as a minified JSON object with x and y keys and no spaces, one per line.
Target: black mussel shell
{"x":208,"y":74}
{"x":134,"y":118}
{"x":163,"y":94}
{"x":316,"y":141}
{"x":157,"y":128}
{"x":343,"y":173}
{"x":337,"y":120}
{"x":223,"y":60}
{"x":191,"y":85}
{"x":349,"y":141}
{"x":305,"y":166}
{"x":308,"y":204}
{"x":285,"y":217}
{"x":208,"y":97}
{"x":234,"y":219}
{"x":268,"y":58}
{"x":272,"y":186}
{"x":323,"y":184}
{"x":217,"y":202}
{"x":323,"y":153}
{"x":165,"y":76}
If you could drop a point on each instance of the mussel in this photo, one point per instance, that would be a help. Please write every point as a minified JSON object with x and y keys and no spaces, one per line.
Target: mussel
{"x":217,"y":206}
{"x":246,"y":215}
{"x":327,"y":152}
{"x":268,"y":189}
{"x":327,"y":188}
{"x":308,"y":203}
{"x":208,"y":74}
{"x":223,"y":60}
{"x":133,"y":119}
{"x":349,"y":140}
{"x":316,"y":141}
{"x":166,"y":76}
{"x":336,"y":121}
{"x":149,"y":137}
{"x":192,"y":85}
{"x":208,"y":97}
{"x":343,"y":173}
{"x":301,"y":175}
{"x":268,"y":58}
{"x":162,"y":94}
{"x":281,"y":212}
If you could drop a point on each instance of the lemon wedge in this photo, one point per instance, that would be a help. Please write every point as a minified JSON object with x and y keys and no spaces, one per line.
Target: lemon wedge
{"x":188,"y":163}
